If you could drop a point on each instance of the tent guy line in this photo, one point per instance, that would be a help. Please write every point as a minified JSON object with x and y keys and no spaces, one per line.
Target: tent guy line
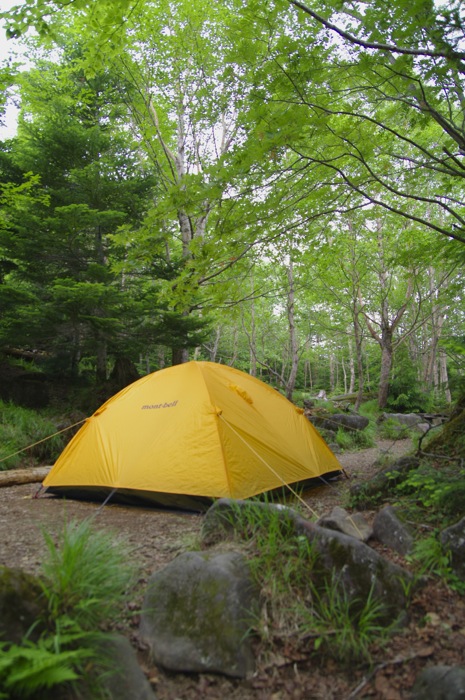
{"x":288,"y":486}
{"x":49,"y":437}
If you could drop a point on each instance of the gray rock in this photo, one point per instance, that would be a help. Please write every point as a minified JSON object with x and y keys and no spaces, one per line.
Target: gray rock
{"x":408,"y":419}
{"x":453,"y":540}
{"x":21,"y":604}
{"x":389,"y":530}
{"x":358,"y":569}
{"x":127,"y":681}
{"x":352,"y":524}
{"x":348,"y":421}
{"x":197,"y":614}
{"x":440,"y":683}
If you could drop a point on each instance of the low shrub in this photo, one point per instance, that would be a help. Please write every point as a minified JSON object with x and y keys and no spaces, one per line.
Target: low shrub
{"x":432,"y":560}
{"x":436,"y":492}
{"x":391,"y":429}
{"x":354,"y":439}
{"x":370,"y":410}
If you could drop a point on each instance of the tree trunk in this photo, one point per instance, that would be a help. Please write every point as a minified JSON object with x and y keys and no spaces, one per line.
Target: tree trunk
{"x":344,"y":374}
{"x":124,"y":372}
{"x":294,"y":349}
{"x":351,"y":367}
{"x":213,"y":351}
{"x":252,"y":342}
{"x":444,"y":376}
{"x":332,"y":371}
{"x":308,"y":383}
{"x":387,"y":325}
{"x":101,"y":360}
{"x":232,"y":359}
{"x":359,"y":356}
{"x":385,"y":374}
{"x":179,"y":356}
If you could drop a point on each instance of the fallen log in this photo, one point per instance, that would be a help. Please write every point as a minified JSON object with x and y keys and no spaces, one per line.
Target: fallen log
{"x":15,"y":477}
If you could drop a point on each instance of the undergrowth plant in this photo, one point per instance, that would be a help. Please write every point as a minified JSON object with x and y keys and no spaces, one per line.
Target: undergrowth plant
{"x":85,"y":577}
{"x":391,"y":429}
{"x":340,"y":627}
{"x":370,"y":410}
{"x":28,"y":669}
{"x":21,"y":427}
{"x":354,"y":439}
{"x":436,"y":492}
{"x":432,"y":559}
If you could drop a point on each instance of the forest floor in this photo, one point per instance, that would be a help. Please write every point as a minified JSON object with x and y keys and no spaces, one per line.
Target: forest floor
{"x":434,"y":635}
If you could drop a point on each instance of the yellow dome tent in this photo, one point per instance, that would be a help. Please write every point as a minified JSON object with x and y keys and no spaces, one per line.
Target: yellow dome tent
{"x":189,"y":432}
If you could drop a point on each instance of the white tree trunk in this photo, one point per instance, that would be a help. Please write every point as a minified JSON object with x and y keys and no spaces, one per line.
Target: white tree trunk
{"x":444,"y":376}
{"x":293,"y":341}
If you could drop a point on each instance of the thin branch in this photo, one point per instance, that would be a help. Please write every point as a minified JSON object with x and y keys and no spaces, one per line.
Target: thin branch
{"x":391,"y":48}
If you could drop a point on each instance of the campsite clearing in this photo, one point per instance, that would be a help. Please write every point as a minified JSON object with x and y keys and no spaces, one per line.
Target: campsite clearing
{"x":436,"y":633}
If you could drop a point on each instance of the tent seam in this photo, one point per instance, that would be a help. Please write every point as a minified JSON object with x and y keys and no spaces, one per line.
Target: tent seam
{"x":218,"y":415}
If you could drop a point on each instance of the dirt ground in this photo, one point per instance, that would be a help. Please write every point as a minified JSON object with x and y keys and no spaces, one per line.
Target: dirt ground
{"x":434,"y":635}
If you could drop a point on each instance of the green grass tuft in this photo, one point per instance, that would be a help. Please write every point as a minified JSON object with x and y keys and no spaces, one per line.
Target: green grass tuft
{"x":87,"y":573}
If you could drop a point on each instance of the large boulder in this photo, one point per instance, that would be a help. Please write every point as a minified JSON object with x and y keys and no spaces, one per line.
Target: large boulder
{"x":347,"y":421}
{"x":402,"y":423}
{"x":341,"y":560}
{"x":408,"y":419}
{"x":453,"y":540}
{"x":359,"y":570}
{"x":21,"y":604}
{"x":197,"y":614}
{"x":391,"y":531}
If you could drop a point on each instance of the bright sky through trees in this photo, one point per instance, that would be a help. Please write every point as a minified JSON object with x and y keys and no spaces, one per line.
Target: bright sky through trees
{"x":10,"y":49}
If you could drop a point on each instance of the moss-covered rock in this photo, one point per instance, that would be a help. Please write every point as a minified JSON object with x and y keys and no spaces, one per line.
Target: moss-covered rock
{"x":21,"y":604}
{"x":340,"y":560}
{"x":451,"y":440}
{"x":358,"y":570}
{"x":197,"y":614}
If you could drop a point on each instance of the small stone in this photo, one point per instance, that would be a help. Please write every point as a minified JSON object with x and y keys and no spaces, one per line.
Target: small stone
{"x":353,"y":524}
{"x":389,"y":530}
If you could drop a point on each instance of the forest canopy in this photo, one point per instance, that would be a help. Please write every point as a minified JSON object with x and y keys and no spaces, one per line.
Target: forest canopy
{"x":275,"y":185}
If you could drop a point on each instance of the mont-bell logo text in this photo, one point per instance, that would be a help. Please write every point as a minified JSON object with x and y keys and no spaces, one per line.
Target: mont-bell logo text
{"x":159,"y":405}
